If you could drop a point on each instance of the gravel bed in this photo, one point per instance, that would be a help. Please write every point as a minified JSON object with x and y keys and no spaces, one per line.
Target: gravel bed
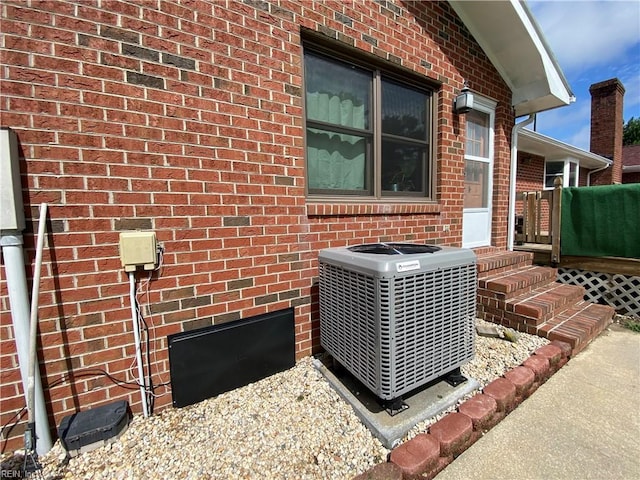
{"x":292,"y":425}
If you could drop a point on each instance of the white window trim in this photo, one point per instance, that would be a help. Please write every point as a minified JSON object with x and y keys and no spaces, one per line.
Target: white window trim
{"x":565,"y":172}
{"x":488,"y":106}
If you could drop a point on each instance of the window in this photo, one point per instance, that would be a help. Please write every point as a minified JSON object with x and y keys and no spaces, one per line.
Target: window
{"x":567,"y":169}
{"x":367,"y":133}
{"x":477,"y":180}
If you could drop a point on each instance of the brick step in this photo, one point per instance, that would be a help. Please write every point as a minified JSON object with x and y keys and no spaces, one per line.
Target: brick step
{"x":578,"y":325}
{"x":480,"y":251}
{"x":507,"y":285}
{"x":533,"y":308}
{"x":493,"y":263}
{"x":544,"y":303}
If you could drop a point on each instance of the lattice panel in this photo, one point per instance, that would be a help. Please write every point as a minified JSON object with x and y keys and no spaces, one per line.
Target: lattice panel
{"x":625,"y":291}
{"x":622,"y":292}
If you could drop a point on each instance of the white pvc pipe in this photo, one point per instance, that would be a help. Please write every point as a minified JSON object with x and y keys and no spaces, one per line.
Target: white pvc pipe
{"x":33,"y":322}
{"x":594,"y":171}
{"x":136,"y":336}
{"x":513,"y":172}
{"x":13,"y":254}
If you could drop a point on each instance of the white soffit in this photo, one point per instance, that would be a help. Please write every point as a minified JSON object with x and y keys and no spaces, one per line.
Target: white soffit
{"x":512,"y":40}
{"x":552,"y":149}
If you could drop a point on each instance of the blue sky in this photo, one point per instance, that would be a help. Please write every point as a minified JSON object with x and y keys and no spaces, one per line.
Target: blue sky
{"x":593,"y":41}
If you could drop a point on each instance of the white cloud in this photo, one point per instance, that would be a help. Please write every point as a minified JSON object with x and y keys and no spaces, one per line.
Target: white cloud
{"x":564,"y":116}
{"x":581,"y":138}
{"x":569,"y":124}
{"x":593,"y":41}
{"x":586,"y":34}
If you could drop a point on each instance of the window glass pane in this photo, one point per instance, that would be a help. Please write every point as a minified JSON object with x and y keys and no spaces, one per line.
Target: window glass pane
{"x":553,"y":170}
{"x":573,"y":174}
{"x":337,"y":93}
{"x":336,"y":161}
{"x":476,"y":184}
{"x":477,"y":134}
{"x":403,"y":167}
{"x":549,"y":179}
{"x":404,"y":111}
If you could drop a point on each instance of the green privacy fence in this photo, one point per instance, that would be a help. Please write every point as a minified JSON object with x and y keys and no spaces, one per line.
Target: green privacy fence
{"x":602,"y":221}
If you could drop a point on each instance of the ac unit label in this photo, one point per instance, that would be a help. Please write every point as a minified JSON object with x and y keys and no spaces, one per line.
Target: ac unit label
{"x":408,"y":266}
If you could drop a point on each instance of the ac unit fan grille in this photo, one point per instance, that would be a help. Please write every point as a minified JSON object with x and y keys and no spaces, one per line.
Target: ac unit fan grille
{"x":395,"y":334}
{"x":349,"y":329}
{"x":434,"y":324}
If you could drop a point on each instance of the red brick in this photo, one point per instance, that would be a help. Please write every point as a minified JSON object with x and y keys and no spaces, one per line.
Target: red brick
{"x":562,"y":363}
{"x":564,"y":347}
{"x":439,"y":466}
{"x":480,"y":409}
{"x":503,"y":392}
{"x":552,"y":353}
{"x":522,"y":378}
{"x":417,"y":454}
{"x":148,"y":144}
{"x":453,"y":433}
{"x":382,"y":471}
{"x":540,"y":367}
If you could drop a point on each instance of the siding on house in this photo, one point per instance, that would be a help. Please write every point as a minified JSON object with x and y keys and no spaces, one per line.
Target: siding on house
{"x":188,"y":120}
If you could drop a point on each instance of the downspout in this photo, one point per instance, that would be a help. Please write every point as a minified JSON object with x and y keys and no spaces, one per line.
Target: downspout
{"x":20,"y":313}
{"x":511,"y":218}
{"x":595,"y":171}
{"x":12,"y":223}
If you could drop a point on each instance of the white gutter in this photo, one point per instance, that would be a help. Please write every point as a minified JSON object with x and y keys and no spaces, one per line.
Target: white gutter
{"x":513,"y":171}
{"x":594,"y":171}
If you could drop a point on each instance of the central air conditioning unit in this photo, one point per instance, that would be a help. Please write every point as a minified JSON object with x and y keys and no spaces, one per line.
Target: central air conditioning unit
{"x":398,"y":315}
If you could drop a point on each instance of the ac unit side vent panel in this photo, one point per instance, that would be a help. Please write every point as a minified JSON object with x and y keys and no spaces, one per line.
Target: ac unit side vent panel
{"x":396,"y":332}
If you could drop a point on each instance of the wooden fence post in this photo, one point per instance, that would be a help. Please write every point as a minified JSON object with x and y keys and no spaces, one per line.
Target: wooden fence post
{"x":556,"y":219}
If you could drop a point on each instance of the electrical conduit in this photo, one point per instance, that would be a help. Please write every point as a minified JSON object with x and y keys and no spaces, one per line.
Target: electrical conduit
{"x":136,"y":336}
{"x":31,"y":443}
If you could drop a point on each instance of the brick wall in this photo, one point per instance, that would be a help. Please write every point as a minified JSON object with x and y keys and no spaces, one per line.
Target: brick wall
{"x":607,"y":127}
{"x":530,"y":178}
{"x":631,"y":177}
{"x":187,"y":120}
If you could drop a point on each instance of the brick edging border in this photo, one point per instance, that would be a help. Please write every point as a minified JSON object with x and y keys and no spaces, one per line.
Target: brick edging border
{"x":426,"y":454}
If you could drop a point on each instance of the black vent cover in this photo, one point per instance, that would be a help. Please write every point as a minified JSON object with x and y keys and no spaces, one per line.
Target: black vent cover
{"x":213,"y":360}
{"x":394,"y":248}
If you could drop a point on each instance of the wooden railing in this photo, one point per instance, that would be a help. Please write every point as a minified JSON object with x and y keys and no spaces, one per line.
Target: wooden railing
{"x":540,"y":218}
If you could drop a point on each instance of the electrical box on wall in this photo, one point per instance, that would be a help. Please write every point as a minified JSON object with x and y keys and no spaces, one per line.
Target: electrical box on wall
{"x":138,"y":249}
{"x":11,"y":207}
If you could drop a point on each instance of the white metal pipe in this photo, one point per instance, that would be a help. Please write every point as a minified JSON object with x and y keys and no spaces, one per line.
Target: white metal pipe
{"x":33,"y":322}
{"x":513,"y":171}
{"x":12,"y":252}
{"x":136,"y":336}
{"x":594,"y":171}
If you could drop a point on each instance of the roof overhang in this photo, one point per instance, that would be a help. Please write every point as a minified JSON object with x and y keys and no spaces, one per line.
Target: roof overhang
{"x":552,"y":149}
{"x":513,"y":41}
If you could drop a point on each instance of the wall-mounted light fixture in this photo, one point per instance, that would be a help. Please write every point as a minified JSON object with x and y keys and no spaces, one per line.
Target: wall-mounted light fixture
{"x":463,"y":103}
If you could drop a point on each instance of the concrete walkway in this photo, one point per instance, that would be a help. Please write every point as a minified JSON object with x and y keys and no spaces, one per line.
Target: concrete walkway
{"x":583,"y":423}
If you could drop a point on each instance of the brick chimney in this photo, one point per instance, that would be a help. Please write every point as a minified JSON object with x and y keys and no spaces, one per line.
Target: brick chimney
{"x":606,"y":128}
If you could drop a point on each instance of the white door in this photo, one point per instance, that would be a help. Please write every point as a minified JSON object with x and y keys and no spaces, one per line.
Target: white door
{"x":478,"y":175}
